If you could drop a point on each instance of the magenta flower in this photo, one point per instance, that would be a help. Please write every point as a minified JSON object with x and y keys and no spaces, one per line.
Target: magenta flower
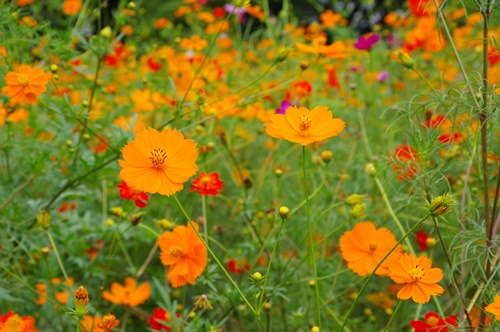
{"x":282,"y":109}
{"x":366,"y":44}
{"x":383,"y":76}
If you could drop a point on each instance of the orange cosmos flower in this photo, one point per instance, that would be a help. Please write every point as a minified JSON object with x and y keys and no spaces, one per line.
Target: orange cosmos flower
{"x":207,"y":184}
{"x":89,"y":324}
{"x":494,"y":307}
{"x":365,"y":246}
{"x":158,"y":162}
{"x":72,"y":7}
{"x":108,"y":322}
{"x":419,"y":276}
{"x":299,"y":125}
{"x":335,"y":50}
{"x":25,"y":84}
{"x":129,"y":294}
{"x":183,"y":250}
{"x":15,"y":323}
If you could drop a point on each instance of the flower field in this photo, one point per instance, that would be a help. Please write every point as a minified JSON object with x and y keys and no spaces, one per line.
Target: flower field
{"x":200,"y":165}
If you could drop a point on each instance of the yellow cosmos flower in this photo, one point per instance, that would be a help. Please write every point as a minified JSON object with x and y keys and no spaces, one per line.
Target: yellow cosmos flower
{"x":299,"y":125}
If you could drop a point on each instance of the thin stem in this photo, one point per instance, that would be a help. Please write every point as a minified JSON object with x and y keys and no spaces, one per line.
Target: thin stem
{"x":311,"y":240}
{"x":351,"y":309}
{"x":266,"y":277}
{"x":214,"y":256}
{"x":56,"y":252}
{"x":391,"y":212}
{"x":205,"y":220}
{"x":393,"y":315}
{"x":425,"y":80}
{"x":455,"y":282}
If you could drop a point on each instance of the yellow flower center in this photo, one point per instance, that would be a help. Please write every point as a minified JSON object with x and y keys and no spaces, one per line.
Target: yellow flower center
{"x":158,"y":157}
{"x":205,"y":180}
{"x":175,"y":251}
{"x":23,"y":79}
{"x":432,"y":321}
{"x":417,"y":273}
{"x":304,"y":124}
{"x":373,"y":246}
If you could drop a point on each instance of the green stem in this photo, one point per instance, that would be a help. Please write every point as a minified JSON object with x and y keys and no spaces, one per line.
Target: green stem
{"x":311,"y":240}
{"x":425,"y":80}
{"x":215,"y":257}
{"x":205,"y":220}
{"x":56,"y":252}
{"x":393,"y":315}
{"x":349,"y":313}
{"x":266,"y":277}
{"x":393,"y":215}
{"x":453,"y":278}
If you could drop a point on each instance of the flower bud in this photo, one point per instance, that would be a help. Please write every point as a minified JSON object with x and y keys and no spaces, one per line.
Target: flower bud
{"x":283,"y":54}
{"x":354,"y":199}
{"x":315,"y":329}
{"x":81,"y":300}
{"x":106,"y":32}
{"x":43,"y":219}
{"x":405,"y":59}
{"x":431,"y":242}
{"x":131,"y":5}
{"x":441,"y":204}
{"x":257,"y":277}
{"x":267,"y":306}
{"x":54,"y":68}
{"x":241,"y":3}
{"x":136,"y":218}
{"x":278,"y":173}
{"x":370,"y":169}
{"x":326,"y":156}
{"x":202,"y":302}
{"x":358,"y":211}
{"x":284,"y":212}
{"x":311,"y":283}
{"x":304,"y":65}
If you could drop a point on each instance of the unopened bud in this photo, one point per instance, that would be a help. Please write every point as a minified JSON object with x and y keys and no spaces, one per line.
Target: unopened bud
{"x":284,"y":212}
{"x":81,"y":300}
{"x":267,"y":306}
{"x":315,"y":329}
{"x":43,"y":219}
{"x":370,"y":169}
{"x":405,"y":59}
{"x":304,"y":65}
{"x":441,"y":204}
{"x":283,"y":54}
{"x":354,"y":199}
{"x":257,"y":277}
{"x":278,"y":173}
{"x":54,"y":68}
{"x":106,"y":32}
{"x":431,"y":242}
{"x":131,"y":5}
{"x":136,"y":218}
{"x":326,"y":156}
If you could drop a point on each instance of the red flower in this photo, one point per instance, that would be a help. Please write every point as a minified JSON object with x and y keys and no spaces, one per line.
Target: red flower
{"x":153,"y":64}
{"x":405,"y":162}
{"x":493,"y":56}
{"x":422,"y":237}
{"x":129,"y":193}
{"x":434,"y":323}
{"x":159,"y":314}
{"x":237,"y":267}
{"x":207,"y":184}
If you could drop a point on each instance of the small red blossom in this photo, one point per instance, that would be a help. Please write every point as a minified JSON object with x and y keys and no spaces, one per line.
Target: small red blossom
{"x":493,"y":56}
{"x":159,"y":314}
{"x":406,"y":162}
{"x":67,"y":206}
{"x":207,"y":184}
{"x":434,"y":323}
{"x":129,"y":193}
{"x":422,"y":237}
{"x":237,"y":267}
{"x":154,"y":65}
